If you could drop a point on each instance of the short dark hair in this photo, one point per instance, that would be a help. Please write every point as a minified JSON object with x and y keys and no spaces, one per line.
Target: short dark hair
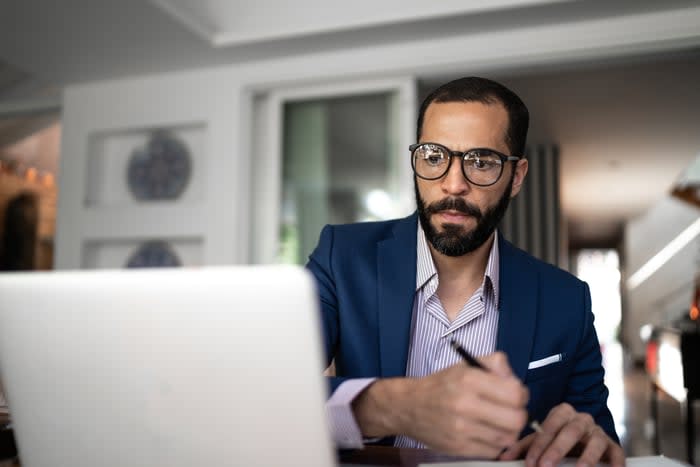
{"x":486,"y":91}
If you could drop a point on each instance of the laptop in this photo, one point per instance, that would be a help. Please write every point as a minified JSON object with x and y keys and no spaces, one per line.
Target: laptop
{"x":164,"y":367}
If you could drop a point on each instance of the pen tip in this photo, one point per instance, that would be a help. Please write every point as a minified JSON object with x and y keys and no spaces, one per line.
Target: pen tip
{"x":535,"y":425}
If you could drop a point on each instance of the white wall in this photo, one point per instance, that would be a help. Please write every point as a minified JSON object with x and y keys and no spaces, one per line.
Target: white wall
{"x":667,"y":293}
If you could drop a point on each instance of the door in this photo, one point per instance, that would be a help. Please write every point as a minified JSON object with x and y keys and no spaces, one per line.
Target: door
{"x":332,"y":154}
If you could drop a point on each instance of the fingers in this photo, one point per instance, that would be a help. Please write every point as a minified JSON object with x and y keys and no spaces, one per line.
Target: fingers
{"x":597,"y":446}
{"x":509,"y":392}
{"x":566,"y":430}
{"x":561,"y":432}
{"x":615,"y":455}
{"x":493,"y":400}
{"x":499,"y":424}
{"x":516,"y":450}
{"x":467,"y":411}
{"x":482,"y":442}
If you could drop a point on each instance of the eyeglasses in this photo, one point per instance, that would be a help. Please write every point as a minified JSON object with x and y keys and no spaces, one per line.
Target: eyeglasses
{"x":481,"y":166}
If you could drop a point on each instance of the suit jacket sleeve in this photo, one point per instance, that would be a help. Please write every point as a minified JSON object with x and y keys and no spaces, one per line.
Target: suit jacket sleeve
{"x":320,"y":264}
{"x":586,"y":389}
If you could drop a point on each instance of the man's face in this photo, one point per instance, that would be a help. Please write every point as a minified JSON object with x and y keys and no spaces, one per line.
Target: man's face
{"x":457,"y":216}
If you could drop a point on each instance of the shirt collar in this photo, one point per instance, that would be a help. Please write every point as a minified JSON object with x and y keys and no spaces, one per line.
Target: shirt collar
{"x":425,"y":267}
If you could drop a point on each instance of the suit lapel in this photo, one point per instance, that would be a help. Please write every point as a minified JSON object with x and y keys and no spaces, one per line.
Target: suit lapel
{"x":396,"y":272}
{"x":517,"y":307}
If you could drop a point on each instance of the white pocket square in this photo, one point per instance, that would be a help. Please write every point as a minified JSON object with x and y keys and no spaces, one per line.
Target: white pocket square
{"x":544,"y":361}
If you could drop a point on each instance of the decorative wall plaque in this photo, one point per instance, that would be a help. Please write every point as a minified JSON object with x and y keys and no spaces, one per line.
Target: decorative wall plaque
{"x":161,"y":169}
{"x":154,"y":254}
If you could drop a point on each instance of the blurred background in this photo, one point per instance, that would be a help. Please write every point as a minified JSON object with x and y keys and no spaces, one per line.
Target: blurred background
{"x":172,"y":132}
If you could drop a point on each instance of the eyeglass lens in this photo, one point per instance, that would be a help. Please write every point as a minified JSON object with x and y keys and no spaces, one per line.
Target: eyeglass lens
{"x":481,"y":167}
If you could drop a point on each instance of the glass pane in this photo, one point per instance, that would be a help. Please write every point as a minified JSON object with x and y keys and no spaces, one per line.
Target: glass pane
{"x":338,"y":167}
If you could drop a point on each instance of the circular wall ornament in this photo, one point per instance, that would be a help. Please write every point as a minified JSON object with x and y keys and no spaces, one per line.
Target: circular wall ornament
{"x":161,"y":169}
{"x":154,"y":254}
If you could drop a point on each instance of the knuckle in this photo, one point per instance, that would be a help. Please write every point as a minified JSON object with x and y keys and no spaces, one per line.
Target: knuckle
{"x":587,"y":418}
{"x":521,"y":418}
{"x":567,"y":408}
{"x":580,"y":427}
{"x":525,"y":394}
{"x":458,"y":426}
{"x":517,"y":392}
{"x":597,"y":432}
{"x":499,"y":359}
{"x":464,"y":404}
{"x":556,"y":451}
{"x":506,"y":440}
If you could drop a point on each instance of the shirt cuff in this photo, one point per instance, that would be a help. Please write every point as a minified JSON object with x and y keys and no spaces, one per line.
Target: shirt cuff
{"x":344,"y":429}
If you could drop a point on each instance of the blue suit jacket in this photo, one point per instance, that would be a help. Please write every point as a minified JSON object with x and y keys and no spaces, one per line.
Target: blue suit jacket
{"x":366,"y":278}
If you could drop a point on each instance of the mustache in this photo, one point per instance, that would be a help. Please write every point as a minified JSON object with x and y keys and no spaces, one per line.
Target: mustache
{"x":454,"y":204}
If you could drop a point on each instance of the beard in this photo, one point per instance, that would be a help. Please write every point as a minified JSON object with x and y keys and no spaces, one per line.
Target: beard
{"x":454,"y":239}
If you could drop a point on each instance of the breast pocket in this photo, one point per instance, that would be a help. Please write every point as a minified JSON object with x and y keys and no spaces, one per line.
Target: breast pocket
{"x":545,"y":367}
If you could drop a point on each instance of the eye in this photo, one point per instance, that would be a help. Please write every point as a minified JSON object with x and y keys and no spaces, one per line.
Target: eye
{"x":432,"y":156}
{"x":482,"y":162}
{"x":434,"y":159}
{"x":479,"y":163}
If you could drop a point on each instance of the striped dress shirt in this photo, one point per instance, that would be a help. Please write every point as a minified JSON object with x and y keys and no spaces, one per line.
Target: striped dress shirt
{"x":431,"y":331}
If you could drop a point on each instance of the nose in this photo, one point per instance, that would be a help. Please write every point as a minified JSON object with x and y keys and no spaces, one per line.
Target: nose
{"x":453,"y":182}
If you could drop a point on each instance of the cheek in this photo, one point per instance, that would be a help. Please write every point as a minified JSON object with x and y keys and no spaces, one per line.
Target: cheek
{"x":426,"y":190}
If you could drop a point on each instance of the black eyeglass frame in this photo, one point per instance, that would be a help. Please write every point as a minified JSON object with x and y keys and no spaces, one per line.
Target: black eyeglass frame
{"x":462,"y":154}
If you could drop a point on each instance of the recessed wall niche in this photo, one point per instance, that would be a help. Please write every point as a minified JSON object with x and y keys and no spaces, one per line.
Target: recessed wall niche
{"x":146,"y":165}
{"x":116,"y":254}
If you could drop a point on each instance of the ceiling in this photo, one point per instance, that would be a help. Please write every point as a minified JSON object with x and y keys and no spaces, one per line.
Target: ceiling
{"x":225,"y":23}
{"x":78,"y":41}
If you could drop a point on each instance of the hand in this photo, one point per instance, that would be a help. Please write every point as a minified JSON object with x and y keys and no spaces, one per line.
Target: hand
{"x":567,"y":433}
{"x":460,"y":410}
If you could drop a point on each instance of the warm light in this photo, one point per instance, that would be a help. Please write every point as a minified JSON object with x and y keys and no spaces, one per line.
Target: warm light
{"x":48,"y":180}
{"x":694,"y":313}
{"x":31,"y":174}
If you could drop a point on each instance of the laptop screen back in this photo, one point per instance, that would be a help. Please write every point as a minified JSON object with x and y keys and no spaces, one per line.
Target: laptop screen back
{"x":179,"y":367}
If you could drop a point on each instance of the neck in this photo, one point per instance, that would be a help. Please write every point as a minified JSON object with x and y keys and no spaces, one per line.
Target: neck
{"x":470,"y":267}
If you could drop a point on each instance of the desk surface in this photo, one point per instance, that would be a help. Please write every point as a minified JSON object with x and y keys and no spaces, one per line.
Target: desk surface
{"x":397,"y":457}
{"x":389,"y":456}
{"x":371,"y":455}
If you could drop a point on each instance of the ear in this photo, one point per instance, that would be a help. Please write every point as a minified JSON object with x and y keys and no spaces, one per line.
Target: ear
{"x":519,"y":178}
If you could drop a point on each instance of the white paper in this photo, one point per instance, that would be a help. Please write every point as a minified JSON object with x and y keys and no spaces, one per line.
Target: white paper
{"x":647,"y":461}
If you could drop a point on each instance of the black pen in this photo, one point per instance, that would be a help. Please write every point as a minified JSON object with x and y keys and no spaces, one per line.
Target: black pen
{"x":471,"y":361}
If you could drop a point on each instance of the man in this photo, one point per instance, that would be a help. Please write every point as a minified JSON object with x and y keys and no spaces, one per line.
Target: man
{"x":395,"y":294}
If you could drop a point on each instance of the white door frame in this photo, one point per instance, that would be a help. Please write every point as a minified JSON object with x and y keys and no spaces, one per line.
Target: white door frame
{"x":267,"y":150}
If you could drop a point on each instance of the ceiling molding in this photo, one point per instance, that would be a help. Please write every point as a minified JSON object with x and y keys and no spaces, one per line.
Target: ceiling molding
{"x":223,"y":23}
{"x":192,"y":20}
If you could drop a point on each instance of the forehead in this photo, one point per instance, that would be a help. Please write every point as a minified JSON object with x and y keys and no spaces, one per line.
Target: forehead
{"x":464,"y":125}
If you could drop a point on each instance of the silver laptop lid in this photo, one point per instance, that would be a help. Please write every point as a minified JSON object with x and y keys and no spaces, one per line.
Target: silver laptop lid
{"x":179,"y":367}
